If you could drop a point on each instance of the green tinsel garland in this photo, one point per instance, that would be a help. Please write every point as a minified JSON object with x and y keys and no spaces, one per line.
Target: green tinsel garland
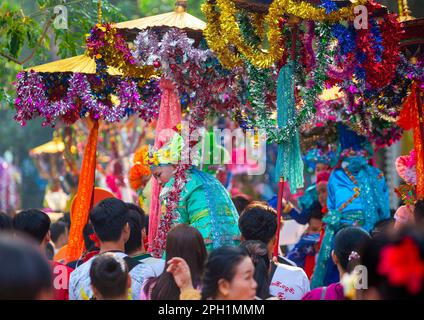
{"x":247,"y":30}
{"x":259,"y":83}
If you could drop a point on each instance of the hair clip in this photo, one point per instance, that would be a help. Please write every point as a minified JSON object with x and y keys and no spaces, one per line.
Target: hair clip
{"x":354,"y":255}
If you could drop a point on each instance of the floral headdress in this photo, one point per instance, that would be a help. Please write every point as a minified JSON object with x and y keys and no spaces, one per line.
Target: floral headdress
{"x":315,"y":155}
{"x":148,"y":157}
{"x":351,"y":144}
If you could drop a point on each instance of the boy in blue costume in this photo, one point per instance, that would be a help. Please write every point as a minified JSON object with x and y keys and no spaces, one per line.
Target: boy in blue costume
{"x":357,"y":196}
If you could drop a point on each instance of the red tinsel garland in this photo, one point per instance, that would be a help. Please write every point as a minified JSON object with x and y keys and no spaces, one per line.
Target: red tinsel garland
{"x":380,"y":74}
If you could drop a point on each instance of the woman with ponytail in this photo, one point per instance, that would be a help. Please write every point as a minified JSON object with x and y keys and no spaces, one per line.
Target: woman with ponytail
{"x":258,"y":252}
{"x":346,"y":255}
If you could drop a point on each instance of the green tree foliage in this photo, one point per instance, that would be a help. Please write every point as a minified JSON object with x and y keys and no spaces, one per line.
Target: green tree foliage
{"x":153,"y":7}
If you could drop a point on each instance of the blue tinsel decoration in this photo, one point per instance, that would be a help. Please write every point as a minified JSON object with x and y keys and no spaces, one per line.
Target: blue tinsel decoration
{"x":328,"y":5}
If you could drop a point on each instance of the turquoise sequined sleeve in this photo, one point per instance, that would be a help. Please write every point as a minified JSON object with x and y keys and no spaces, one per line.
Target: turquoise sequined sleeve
{"x":207,"y":206}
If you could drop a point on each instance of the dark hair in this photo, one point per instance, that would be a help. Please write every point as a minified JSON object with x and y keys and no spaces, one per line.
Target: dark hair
{"x":315,"y":214}
{"x":6,"y":222}
{"x":258,"y":252}
{"x":109,"y":218}
{"x":109,"y":275}
{"x":185,"y":242}
{"x":57,"y":229}
{"x":49,"y":251}
{"x":347,"y":241}
{"x":24,"y":272}
{"x":382,"y":227}
{"x":136,"y":223}
{"x":315,"y":211}
{"x":241,"y":201}
{"x":32,"y":222}
{"x":258,"y":222}
{"x":221,"y":264}
{"x":371,"y":258}
{"x":419,"y":212}
{"x":87,"y":231}
{"x":146,"y":224}
{"x":66,"y":219}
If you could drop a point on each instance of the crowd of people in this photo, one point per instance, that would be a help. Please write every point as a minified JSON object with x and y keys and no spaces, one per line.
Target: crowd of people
{"x":116,"y":264}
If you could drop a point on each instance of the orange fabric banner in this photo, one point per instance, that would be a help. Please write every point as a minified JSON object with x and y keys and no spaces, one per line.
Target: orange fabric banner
{"x":411,"y":117}
{"x":84,"y":196}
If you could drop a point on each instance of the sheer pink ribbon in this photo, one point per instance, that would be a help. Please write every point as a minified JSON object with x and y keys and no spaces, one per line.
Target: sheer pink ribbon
{"x":169,"y":117}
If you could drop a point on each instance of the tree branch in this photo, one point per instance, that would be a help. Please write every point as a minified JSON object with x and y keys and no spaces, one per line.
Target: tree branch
{"x":40,"y":40}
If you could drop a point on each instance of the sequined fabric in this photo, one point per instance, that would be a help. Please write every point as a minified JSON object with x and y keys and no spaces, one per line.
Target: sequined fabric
{"x":206,"y":205}
{"x":289,"y":159}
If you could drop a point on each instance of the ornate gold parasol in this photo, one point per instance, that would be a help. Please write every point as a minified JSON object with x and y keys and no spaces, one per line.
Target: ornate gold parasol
{"x":51,"y":147}
{"x":179,"y":18}
{"x":78,"y":64}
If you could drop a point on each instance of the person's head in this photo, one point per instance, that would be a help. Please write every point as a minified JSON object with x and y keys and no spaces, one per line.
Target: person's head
{"x":163,"y":173}
{"x":110,"y":221}
{"x":229,"y":275}
{"x":49,"y":251}
{"x":315,"y":220}
{"x":6,"y":222}
{"x":24,"y":273}
{"x":394,"y":265}
{"x":419,"y":212}
{"x":185,"y":242}
{"x":348,"y":244}
{"x":35,"y":224}
{"x":136,"y":220}
{"x":241,"y":201}
{"x":66,"y":219}
{"x":321,"y":167}
{"x":59,"y":234}
{"x":258,"y":252}
{"x":109,"y":276}
{"x":322,"y":193}
{"x":259,"y":222}
{"x":383,"y":227}
{"x":87,"y":233}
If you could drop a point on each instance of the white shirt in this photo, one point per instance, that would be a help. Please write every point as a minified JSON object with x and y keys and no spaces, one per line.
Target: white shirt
{"x":80,"y":282}
{"x":289,"y":283}
{"x":158,"y":265}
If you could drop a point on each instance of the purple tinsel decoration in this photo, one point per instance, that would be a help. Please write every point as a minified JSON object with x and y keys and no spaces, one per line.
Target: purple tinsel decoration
{"x":309,"y":37}
{"x":195,"y":72}
{"x":33,"y":100}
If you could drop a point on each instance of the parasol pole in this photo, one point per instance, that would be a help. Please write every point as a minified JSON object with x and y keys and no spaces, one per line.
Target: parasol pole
{"x":404,"y":11}
{"x":400,"y":7}
{"x":279,"y":210}
{"x":99,"y":12}
{"x":181,"y":6}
